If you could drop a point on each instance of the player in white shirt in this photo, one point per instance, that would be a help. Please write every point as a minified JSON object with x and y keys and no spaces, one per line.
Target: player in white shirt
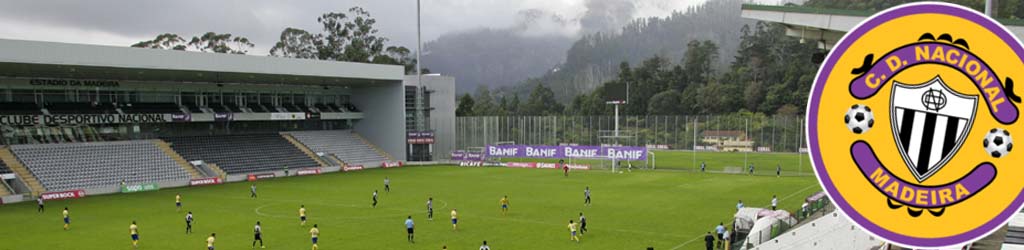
{"x":775,"y":202}
{"x":188,"y":222}
{"x":257,"y":235}
{"x":484,"y":246}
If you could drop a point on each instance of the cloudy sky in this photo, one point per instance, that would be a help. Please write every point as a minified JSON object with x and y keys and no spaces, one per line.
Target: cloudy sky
{"x":123,"y":22}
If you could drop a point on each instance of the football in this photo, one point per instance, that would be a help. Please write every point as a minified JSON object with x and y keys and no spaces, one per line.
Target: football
{"x":998,"y":142}
{"x":859,"y":119}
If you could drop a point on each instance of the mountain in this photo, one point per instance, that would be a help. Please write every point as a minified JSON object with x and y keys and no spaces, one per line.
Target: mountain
{"x":595,"y":58}
{"x":501,"y":57}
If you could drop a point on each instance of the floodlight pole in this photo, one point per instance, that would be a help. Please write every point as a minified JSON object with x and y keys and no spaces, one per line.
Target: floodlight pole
{"x":419,"y":72}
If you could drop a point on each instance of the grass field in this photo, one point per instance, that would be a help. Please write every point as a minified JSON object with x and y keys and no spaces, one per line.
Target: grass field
{"x":764,"y":163}
{"x":664,"y":209}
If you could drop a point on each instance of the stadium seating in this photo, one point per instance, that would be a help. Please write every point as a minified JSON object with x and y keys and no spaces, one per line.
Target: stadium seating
{"x":242,"y":153}
{"x":324,"y":108}
{"x":256,"y":107}
{"x":80,"y":108}
{"x":151,"y":108}
{"x":4,"y":169}
{"x":97,"y":164}
{"x":343,"y":144}
{"x":19,"y":108}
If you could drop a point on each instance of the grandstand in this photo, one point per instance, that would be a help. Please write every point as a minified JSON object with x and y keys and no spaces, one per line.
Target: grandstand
{"x":85,"y":118}
{"x":98,"y":164}
{"x":342,"y":144}
{"x":237,"y":154}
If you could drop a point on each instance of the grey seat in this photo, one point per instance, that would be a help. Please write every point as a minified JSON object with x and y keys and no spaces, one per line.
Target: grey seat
{"x":70,"y":166}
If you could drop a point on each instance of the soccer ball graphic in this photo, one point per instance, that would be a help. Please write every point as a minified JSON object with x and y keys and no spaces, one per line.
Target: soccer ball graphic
{"x":859,"y":119}
{"x":998,"y":142}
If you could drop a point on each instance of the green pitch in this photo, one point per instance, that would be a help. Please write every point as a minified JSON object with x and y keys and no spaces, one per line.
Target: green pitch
{"x":663,"y":209}
{"x":764,"y":163}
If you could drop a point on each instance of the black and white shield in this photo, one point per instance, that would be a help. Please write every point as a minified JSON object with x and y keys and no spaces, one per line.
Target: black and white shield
{"x":929,"y":122}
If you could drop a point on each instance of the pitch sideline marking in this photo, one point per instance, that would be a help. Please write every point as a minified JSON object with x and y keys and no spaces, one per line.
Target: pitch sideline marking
{"x":783,"y":198}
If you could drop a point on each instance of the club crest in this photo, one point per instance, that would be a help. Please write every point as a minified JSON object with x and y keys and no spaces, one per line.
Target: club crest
{"x":923,"y":155}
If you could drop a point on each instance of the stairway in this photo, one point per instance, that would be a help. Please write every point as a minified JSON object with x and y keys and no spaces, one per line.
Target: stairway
{"x":335,"y":159}
{"x":375,"y":148}
{"x":4,"y":191}
{"x":304,"y":149}
{"x":15,"y":165}
{"x":166,"y":147}
{"x":216,"y":169}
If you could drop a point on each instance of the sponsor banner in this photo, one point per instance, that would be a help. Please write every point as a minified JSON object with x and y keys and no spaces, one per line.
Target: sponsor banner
{"x":287,"y":116}
{"x":560,"y":152}
{"x":222,"y":117}
{"x":81,"y":119}
{"x":181,"y":117}
{"x":474,"y":156}
{"x":254,"y":177}
{"x":140,"y":188}
{"x":521,"y":164}
{"x":658,"y":146}
{"x":420,"y":137}
{"x":471,"y":164}
{"x":70,"y":194}
{"x":391,"y":164}
{"x":205,"y":181}
{"x":547,"y":165}
{"x":352,"y":168}
{"x":309,"y":171}
{"x":578,"y":166}
{"x":458,"y":155}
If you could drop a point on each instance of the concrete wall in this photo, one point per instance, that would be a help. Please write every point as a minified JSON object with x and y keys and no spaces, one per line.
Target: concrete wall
{"x":442,"y":117}
{"x":383,"y":122}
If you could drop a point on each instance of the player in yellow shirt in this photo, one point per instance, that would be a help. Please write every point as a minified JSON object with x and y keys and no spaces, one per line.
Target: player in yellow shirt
{"x":572,"y":232}
{"x":134,"y":230}
{"x":177,"y":202}
{"x":302,"y":215}
{"x":210,"y":240}
{"x":67,"y":220}
{"x":455,"y":220}
{"x":504,"y":205}
{"x":315,"y":233}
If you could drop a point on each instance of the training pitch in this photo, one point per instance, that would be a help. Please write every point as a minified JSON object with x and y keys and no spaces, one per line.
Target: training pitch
{"x":666,"y":209}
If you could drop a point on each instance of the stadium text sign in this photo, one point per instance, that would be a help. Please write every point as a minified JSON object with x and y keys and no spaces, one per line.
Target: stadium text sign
{"x":352,"y":168}
{"x":391,"y":164}
{"x":139,"y":188}
{"x":309,"y":171}
{"x":560,"y":152}
{"x":205,"y":181}
{"x":70,"y":194}
{"x":254,"y":177}
{"x":75,"y":119}
{"x":936,"y":168}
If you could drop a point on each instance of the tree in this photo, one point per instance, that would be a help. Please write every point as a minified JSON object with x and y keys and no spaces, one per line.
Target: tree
{"x":485,"y":104}
{"x":465,"y":106}
{"x":542,"y":102}
{"x":699,"y":61}
{"x":163,"y":41}
{"x":513,"y":105}
{"x":295,"y":43}
{"x":349,"y":37}
{"x":220,"y":43}
{"x":665,"y":103}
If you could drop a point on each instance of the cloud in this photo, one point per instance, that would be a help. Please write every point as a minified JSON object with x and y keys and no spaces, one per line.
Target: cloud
{"x":121,"y":23}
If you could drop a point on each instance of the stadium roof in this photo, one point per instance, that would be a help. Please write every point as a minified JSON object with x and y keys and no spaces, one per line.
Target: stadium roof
{"x":19,"y":58}
{"x":815,"y":24}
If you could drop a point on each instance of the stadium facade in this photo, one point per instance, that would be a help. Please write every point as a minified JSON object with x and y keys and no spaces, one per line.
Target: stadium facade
{"x":206,"y":115}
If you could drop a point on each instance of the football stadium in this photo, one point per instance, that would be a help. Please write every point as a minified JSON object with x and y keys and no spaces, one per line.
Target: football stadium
{"x":177,"y":144}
